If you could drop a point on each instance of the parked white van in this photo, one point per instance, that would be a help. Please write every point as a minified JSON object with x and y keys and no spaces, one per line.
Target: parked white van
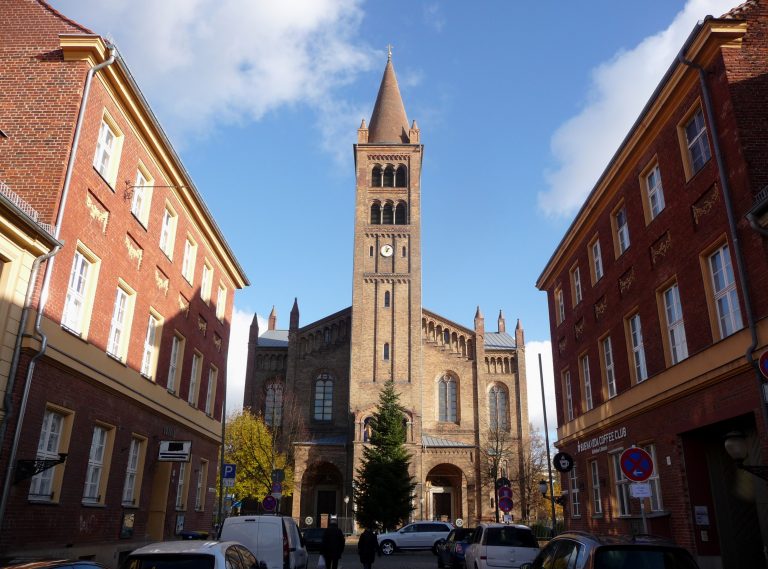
{"x":275,"y":540}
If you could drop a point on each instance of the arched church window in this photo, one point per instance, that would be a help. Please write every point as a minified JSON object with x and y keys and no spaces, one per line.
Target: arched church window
{"x":376,"y":177}
{"x":389,"y":177}
{"x":446,"y":391}
{"x":323,"y":397}
{"x":400,"y":176}
{"x":497,"y":408}
{"x":386,"y":299}
{"x":327,"y":335}
{"x":273,"y":404}
{"x":405,"y":429}
{"x":386,"y":351}
{"x":447,"y":337}
{"x":404,"y":251}
{"x":375,"y":213}
{"x":401,"y":214}
{"x":387,"y":214}
{"x":370,"y":251}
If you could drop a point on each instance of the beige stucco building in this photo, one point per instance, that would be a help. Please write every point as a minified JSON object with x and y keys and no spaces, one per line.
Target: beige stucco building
{"x":454,"y":381}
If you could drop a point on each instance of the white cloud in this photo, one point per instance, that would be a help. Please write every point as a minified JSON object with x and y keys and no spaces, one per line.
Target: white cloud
{"x":206,"y":62}
{"x":237,"y":356}
{"x":535,"y":408}
{"x":583,"y":145}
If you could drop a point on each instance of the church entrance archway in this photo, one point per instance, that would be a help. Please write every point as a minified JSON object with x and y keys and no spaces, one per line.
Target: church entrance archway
{"x":446,"y":493}
{"x":321,"y":493}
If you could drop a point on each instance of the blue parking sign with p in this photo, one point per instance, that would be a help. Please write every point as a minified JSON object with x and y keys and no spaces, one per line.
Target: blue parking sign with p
{"x":229,"y":471}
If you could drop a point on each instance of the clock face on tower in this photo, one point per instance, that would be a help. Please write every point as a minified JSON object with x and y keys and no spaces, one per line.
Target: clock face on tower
{"x":387,"y":250}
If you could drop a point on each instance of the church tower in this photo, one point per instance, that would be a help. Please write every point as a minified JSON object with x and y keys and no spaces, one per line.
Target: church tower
{"x":386,"y":292}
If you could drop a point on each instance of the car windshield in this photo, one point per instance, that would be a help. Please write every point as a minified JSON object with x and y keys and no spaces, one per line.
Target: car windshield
{"x":634,"y":557}
{"x":459,"y":534}
{"x":511,"y":537}
{"x":170,"y":561}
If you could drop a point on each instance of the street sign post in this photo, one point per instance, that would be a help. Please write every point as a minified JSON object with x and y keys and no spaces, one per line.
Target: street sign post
{"x":228,"y":475}
{"x":637,"y":465}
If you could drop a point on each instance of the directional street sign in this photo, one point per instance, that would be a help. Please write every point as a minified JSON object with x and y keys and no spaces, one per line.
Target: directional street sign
{"x":636,"y":464}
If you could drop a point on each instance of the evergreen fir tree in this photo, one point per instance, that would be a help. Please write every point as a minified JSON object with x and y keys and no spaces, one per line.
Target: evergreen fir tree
{"x":384,"y":489}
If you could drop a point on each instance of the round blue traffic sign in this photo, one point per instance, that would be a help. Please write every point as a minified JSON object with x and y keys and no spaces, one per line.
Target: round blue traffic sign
{"x":269,"y":502}
{"x":505,"y":504}
{"x":636,"y":464}
{"x":763,"y":363}
{"x":505,"y":492}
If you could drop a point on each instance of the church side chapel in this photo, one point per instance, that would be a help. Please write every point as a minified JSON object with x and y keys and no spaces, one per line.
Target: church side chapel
{"x":455,"y":382}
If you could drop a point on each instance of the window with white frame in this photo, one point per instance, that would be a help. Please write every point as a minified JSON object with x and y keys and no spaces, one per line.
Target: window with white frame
{"x":576,"y":280}
{"x":446,"y":394}
{"x":560,"y":305}
{"x":655,"y":191}
{"x":177,"y":352}
{"x":638,"y":349}
{"x":221,"y":302}
{"x":568,"y":395}
{"x":622,"y":229}
{"x":194,"y":378}
{"x":181,"y":486}
{"x":119,"y":330}
{"x":150,"y":347}
{"x":698,"y":141}
{"x":168,"y":231}
{"x":48,"y":446}
{"x":587,"y":383}
{"x":210,"y":394}
{"x":273,"y":404}
{"x":597,"y":503}
{"x":77,"y":294}
{"x":131,"y":471}
{"x":675,"y":326}
{"x":597,"y":260}
{"x":497,"y":407}
{"x":206,"y":282}
{"x":724,"y":288}
{"x":323,"y":397}
{"x":95,"y":465}
{"x":107,"y":153}
{"x":622,"y":485}
{"x":574,"y":493}
{"x":610,"y":377}
{"x":142,"y":196}
{"x":188,"y":261}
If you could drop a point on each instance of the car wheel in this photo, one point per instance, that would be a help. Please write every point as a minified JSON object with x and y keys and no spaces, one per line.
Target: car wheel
{"x":437,"y":544}
{"x":387,"y":547}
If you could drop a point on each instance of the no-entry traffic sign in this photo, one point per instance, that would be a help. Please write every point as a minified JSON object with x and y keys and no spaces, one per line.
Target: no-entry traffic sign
{"x":636,"y":464}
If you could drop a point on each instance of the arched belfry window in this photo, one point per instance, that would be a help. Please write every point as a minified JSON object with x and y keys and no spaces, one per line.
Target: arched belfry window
{"x":389,"y":177}
{"x":497,"y":408}
{"x":401,"y":176}
{"x":387,"y":214}
{"x":401,"y":214}
{"x":376,"y":177}
{"x":375,"y":213}
{"x":446,"y":395}
{"x":273,"y":404}
{"x":323,"y":397}
{"x":386,"y":299}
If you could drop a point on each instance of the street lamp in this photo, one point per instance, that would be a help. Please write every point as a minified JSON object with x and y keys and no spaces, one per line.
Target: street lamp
{"x":346,"y":504}
{"x":736,"y":447}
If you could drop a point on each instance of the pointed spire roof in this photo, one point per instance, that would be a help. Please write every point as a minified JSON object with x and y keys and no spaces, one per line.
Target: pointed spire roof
{"x":272,"y":322}
{"x":389,"y":122}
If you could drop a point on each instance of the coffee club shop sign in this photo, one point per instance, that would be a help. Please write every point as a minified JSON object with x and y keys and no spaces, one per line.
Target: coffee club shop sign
{"x":600,"y":443}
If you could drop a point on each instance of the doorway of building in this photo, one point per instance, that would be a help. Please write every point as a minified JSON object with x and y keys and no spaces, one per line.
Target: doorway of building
{"x":326,"y":506}
{"x":441,"y":504}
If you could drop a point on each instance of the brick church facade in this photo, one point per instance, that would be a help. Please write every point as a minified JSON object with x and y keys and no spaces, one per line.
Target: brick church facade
{"x":455,"y":382}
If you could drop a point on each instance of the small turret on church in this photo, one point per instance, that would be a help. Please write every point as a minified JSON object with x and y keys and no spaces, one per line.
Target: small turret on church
{"x":502,"y":324}
{"x":479,"y":322}
{"x":294,"y":324}
{"x":272,"y":322}
{"x":519,"y":335}
{"x":253,"y":336}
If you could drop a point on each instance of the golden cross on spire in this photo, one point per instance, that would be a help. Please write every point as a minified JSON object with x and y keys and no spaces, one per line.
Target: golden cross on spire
{"x":389,"y":52}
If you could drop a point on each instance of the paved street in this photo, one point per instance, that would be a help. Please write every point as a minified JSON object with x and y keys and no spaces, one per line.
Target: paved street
{"x":404,"y":560}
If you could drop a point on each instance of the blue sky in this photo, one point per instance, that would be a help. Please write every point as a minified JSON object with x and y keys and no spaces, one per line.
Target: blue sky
{"x":520,"y":105}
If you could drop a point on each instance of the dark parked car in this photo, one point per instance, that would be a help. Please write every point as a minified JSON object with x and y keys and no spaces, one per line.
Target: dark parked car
{"x":450,"y":553}
{"x":313,"y":538}
{"x":581,"y":550}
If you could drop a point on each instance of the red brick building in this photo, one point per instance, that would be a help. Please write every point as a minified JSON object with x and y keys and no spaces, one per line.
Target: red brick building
{"x":659,"y":309}
{"x":127,"y":333}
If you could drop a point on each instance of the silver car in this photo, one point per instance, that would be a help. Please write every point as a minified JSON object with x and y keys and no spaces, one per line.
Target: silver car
{"x":504,"y":546}
{"x":418,"y":535}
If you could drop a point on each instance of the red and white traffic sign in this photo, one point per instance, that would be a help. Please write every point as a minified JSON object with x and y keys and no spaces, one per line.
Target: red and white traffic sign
{"x":636,"y":464}
{"x":763,"y":363}
{"x":505,"y":504}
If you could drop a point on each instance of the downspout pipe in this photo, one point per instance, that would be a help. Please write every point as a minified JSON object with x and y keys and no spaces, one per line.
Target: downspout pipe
{"x":9,"y":473}
{"x":740,"y":265}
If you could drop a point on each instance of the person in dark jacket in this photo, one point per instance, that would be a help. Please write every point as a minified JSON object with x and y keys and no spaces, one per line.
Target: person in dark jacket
{"x":332,"y":546}
{"x":367,"y":546}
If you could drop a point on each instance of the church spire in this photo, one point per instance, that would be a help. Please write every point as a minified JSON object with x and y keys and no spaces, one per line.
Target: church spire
{"x":389,"y":122}
{"x":502,"y":323}
{"x":294,"y":324}
{"x":272,"y":322}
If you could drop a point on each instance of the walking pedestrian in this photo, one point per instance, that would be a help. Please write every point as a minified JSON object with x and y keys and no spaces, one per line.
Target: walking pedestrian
{"x":332,"y":546}
{"x":367,"y":546}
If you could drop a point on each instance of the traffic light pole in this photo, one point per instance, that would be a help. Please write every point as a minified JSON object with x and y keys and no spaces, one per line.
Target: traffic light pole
{"x":549,"y":459}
